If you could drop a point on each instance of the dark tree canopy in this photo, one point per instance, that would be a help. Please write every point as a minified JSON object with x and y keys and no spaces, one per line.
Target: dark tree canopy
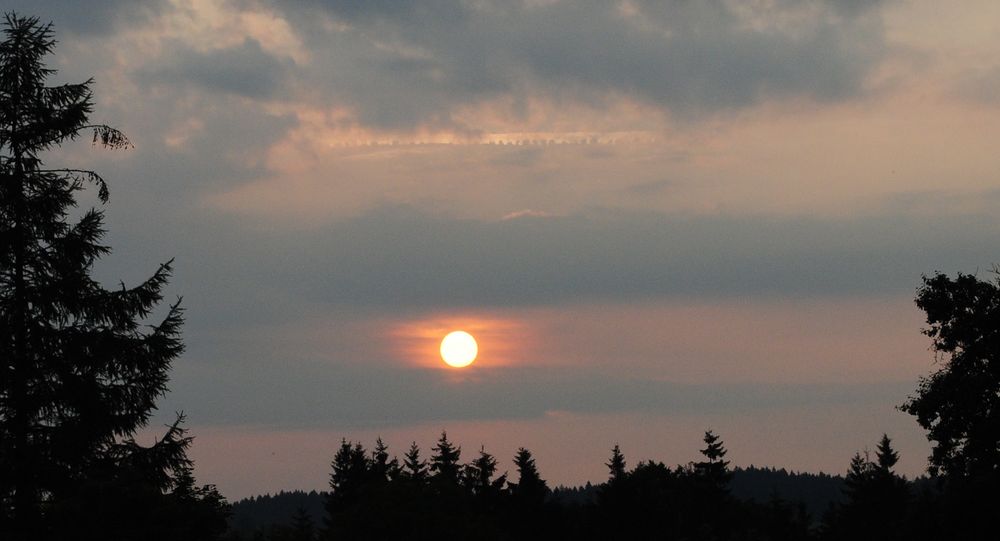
{"x":959,"y":405}
{"x":82,"y":369}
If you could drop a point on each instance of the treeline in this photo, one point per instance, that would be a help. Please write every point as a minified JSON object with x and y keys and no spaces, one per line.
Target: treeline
{"x":264,"y":516}
{"x":375,"y":496}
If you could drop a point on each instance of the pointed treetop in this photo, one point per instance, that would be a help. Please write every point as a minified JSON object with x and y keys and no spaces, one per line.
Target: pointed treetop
{"x":714,"y":450}
{"x":444,"y":461}
{"x":413,"y":466}
{"x":616,"y":465}
{"x":885,"y":456}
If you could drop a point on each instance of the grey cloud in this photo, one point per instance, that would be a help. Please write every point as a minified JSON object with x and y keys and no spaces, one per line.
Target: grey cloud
{"x":395,"y":260}
{"x":396,"y":257}
{"x":317,"y":394}
{"x":981,"y":87}
{"x":88,"y":17}
{"x":690,"y":58}
{"x":246,"y":70}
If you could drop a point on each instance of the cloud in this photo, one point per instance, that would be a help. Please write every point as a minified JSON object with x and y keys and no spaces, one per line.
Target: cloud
{"x":400,"y":65}
{"x":322,"y":394}
{"x":246,"y":70}
{"x":981,"y":87}
{"x":88,"y":18}
{"x":399,"y":257}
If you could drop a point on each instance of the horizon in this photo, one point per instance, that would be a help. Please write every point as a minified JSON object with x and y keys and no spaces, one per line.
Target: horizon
{"x":655,"y":219}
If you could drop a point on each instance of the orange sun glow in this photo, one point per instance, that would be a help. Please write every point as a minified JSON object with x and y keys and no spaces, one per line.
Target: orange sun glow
{"x":459,"y":349}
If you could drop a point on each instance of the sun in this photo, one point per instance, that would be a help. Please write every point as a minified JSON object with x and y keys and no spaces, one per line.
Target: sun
{"x":459,"y":349}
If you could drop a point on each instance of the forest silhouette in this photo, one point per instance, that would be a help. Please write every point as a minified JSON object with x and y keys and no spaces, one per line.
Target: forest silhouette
{"x":82,"y":371}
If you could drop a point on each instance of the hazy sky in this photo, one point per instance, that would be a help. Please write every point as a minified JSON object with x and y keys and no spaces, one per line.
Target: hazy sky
{"x":657,"y":217}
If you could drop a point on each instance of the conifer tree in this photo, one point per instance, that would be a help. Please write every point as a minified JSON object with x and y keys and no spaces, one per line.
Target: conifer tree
{"x":413,"y":467}
{"x":303,"y":528}
{"x":885,"y":456}
{"x":875,"y":498}
{"x":479,"y":475}
{"x":81,"y":369}
{"x":382,"y":468}
{"x":350,"y":471}
{"x":616,"y":465}
{"x":444,"y":461}
{"x":715,"y":469}
{"x":530,"y":488}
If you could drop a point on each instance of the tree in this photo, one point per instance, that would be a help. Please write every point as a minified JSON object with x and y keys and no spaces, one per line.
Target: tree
{"x":715,"y":469}
{"x":81,"y":369}
{"x":382,"y":468}
{"x":479,"y":475}
{"x":444,"y":462}
{"x":351,"y":469}
{"x":959,"y":405}
{"x":530,"y":489}
{"x":885,"y":456}
{"x":616,"y":465}
{"x":413,"y":467}
{"x":875,"y":499}
{"x":302,"y":528}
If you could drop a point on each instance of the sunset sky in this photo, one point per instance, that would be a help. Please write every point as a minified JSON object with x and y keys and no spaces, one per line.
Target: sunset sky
{"x":657,"y":218}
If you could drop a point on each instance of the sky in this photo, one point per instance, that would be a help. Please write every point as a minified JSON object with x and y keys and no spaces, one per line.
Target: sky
{"x":657,"y":218}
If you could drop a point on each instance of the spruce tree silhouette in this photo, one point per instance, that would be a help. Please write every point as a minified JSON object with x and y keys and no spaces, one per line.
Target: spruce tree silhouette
{"x":413,"y":467}
{"x":444,"y":464}
{"x":715,"y":470}
{"x":81,"y":371}
{"x":350,"y":473}
{"x":876,"y":499}
{"x":303,"y":528}
{"x":530,"y":490}
{"x":616,"y":465}
{"x":479,"y":476}
{"x":383,"y":468}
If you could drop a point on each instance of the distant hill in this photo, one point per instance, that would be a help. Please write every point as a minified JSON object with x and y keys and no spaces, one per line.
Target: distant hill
{"x":815,"y":491}
{"x":262,"y":512}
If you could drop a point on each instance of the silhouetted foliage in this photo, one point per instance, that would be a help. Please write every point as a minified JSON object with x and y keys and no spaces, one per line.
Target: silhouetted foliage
{"x":479,"y":476}
{"x":444,"y":465}
{"x":81,"y":368}
{"x":530,"y":489}
{"x":876,"y":499}
{"x":817,"y":491}
{"x":616,"y":465}
{"x":715,"y":470}
{"x":260,"y":514}
{"x":413,"y":467}
{"x":958,"y":404}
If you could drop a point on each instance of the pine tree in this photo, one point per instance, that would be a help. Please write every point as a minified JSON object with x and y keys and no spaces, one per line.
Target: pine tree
{"x":530,"y":489}
{"x":875,"y":498}
{"x":413,"y":467}
{"x":885,"y":457}
{"x":81,"y":370}
{"x":715,"y":469}
{"x":616,"y":465}
{"x":444,"y":461}
{"x":382,"y":468}
{"x":479,"y":475}
{"x":303,"y":528}
{"x":351,"y":469}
